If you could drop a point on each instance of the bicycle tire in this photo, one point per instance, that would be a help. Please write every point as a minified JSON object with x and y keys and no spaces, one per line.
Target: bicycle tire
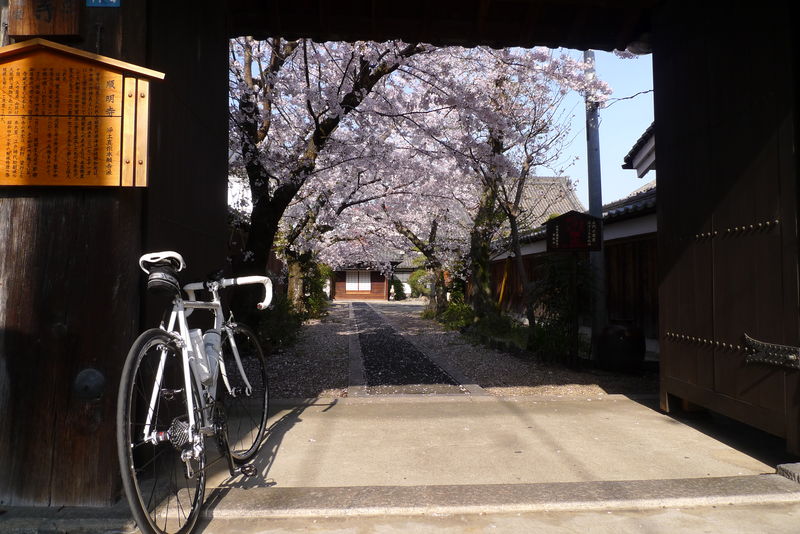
{"x":246,"y":415}
{"x":162,"y":497}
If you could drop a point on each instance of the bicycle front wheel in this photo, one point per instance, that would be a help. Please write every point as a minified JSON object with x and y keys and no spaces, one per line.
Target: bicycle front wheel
{"x":164,"y":486}
{"x":245,"y":407}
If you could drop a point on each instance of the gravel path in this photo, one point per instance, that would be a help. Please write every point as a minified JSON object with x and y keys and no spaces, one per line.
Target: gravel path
{"x":318,"y":364}
{"x":504,"y":374}
{"x":392,"y":365}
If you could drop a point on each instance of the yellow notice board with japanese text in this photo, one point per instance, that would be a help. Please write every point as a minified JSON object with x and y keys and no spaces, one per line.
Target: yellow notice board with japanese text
{"x":70,"y":118}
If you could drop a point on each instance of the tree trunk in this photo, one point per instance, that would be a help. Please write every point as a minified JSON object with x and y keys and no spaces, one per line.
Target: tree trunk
{"x":480,"y":275}
{"x":299,"y":268}
{"x":483,"y":230}
{"x":294,"y":284}
{"x":264,"y":225}
{"x":438,"y":300}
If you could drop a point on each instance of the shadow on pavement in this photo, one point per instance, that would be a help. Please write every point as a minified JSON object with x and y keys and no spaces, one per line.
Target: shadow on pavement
{"x":749,"y":440}
{"x":266,"y":455}
{"x":746,"y":439}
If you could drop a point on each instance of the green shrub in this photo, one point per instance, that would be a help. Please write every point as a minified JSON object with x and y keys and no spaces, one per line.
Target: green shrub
{"x":501,"y":326}
{"x":458,"y":290}
{"x":279,"y":325}
{"x":494,"y":327}
{"x":316,"y":300}
{"x":428,"y":313}
{"x":557,"y":342}
{"x":399,"y":290}
{"x":561,"y":295}
{"x":457,"y":315}
{"x":420,"y":282}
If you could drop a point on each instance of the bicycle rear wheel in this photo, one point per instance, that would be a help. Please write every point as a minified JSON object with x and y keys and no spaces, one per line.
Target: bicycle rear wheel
{"x":246,"y":409}
{"x":163,"y":496}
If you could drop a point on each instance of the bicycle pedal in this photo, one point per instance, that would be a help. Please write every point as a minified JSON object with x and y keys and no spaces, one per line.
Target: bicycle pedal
{"x":248,"y":470}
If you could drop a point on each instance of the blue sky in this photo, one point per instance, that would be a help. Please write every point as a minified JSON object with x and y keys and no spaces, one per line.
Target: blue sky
{"x":621,"y":125}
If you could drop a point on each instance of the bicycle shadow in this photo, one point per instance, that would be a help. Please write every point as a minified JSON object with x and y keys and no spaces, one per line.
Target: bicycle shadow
{"x":265,"y":458}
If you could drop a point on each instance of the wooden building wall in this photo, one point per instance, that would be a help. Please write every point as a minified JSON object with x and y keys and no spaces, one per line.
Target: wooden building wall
{"x":631,"y":282}
{"x":379,"y":287}
{"x":506,"y":284}
{"x":70,"y":286}
{"x":727,"y":210}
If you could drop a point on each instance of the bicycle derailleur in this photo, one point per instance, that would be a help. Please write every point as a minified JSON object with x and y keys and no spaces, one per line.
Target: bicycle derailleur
{"x":184,"y":440}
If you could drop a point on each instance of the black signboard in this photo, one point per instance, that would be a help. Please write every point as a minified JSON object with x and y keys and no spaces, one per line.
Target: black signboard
{"x":574,"y":231}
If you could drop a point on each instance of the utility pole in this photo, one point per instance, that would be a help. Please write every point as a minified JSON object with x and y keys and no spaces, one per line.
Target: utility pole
{"x":596,"y":259}
{"x":3,"y":22}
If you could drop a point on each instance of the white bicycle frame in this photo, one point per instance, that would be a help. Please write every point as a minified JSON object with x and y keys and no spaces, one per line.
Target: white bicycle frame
{"x":181,"y":309}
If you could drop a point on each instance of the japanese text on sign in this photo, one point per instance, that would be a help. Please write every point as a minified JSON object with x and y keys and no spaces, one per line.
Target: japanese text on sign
{"x":574,"y":231}
{"x":69,"y":117}
{"x":60,"y":120}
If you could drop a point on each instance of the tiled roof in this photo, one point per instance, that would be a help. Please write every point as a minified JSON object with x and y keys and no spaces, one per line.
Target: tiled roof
{"x":409,"y":262}
{"x":648,"y":133}
{"x":641,"y":201}
{"x":545,"y":197}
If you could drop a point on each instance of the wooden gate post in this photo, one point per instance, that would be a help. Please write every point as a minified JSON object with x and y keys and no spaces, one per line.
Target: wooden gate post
{"x":70,"y":287}
{"x":727,"y":212}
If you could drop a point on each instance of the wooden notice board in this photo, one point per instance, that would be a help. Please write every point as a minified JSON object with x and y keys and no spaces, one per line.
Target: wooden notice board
{"x":574,"y":231}
{"x":71,"y":118}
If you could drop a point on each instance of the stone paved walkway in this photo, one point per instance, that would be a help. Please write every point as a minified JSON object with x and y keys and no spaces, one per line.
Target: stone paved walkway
{"x":392,"y":365}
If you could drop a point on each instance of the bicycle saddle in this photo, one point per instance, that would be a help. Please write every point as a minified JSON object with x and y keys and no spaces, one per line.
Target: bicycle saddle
{"x":162,"y":271}
{"x":167,"y":257}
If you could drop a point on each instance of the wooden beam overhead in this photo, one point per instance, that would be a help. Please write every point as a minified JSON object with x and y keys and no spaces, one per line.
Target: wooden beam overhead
{"x":581,"y":24}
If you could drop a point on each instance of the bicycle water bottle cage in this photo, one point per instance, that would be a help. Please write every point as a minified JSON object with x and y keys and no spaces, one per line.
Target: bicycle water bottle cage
{"x":162,"y":270}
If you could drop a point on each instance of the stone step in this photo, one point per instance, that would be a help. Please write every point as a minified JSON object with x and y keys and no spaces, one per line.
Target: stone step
{"x":232,"y":503}
{"x":237,"y":503}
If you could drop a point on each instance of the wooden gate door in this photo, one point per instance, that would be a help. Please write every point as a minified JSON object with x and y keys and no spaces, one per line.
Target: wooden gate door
{"x":727,"y":221}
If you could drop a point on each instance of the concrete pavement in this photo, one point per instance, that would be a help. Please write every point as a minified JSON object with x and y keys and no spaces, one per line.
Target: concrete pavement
{"x":463,"y":463}
{"x":458,"y":440}
{"x":761,"y":519}
{"x":472,"y":462}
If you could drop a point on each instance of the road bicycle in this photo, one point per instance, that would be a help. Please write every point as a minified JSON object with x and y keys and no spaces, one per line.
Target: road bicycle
{"x":181,"y":385}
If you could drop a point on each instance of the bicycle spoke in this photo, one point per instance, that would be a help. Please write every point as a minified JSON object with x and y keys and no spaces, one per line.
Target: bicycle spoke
{"x":164,"y":498}
{"x":246,"y":413}
{"x":153,"y":431}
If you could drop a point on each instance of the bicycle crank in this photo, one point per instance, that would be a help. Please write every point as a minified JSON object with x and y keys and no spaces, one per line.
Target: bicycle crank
{"x":221,"y":426}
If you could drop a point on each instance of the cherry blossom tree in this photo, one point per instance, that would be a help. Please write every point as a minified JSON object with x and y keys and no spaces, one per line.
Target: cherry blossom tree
{"x":498,"y":114}
{"x":288,"y":100}
{"x":418,"y":200}
{"x":319,"y":218}
{"x":367,"y":149}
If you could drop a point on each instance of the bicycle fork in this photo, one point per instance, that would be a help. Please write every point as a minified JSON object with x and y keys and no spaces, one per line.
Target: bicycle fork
{"x":220,"y":416}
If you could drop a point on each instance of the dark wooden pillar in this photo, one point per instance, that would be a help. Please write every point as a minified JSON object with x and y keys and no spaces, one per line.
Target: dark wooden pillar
{"x":187,"y":197}
{"x":68,"y":302}
{"x":70,"y":286}
{"x":727,"y":186}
